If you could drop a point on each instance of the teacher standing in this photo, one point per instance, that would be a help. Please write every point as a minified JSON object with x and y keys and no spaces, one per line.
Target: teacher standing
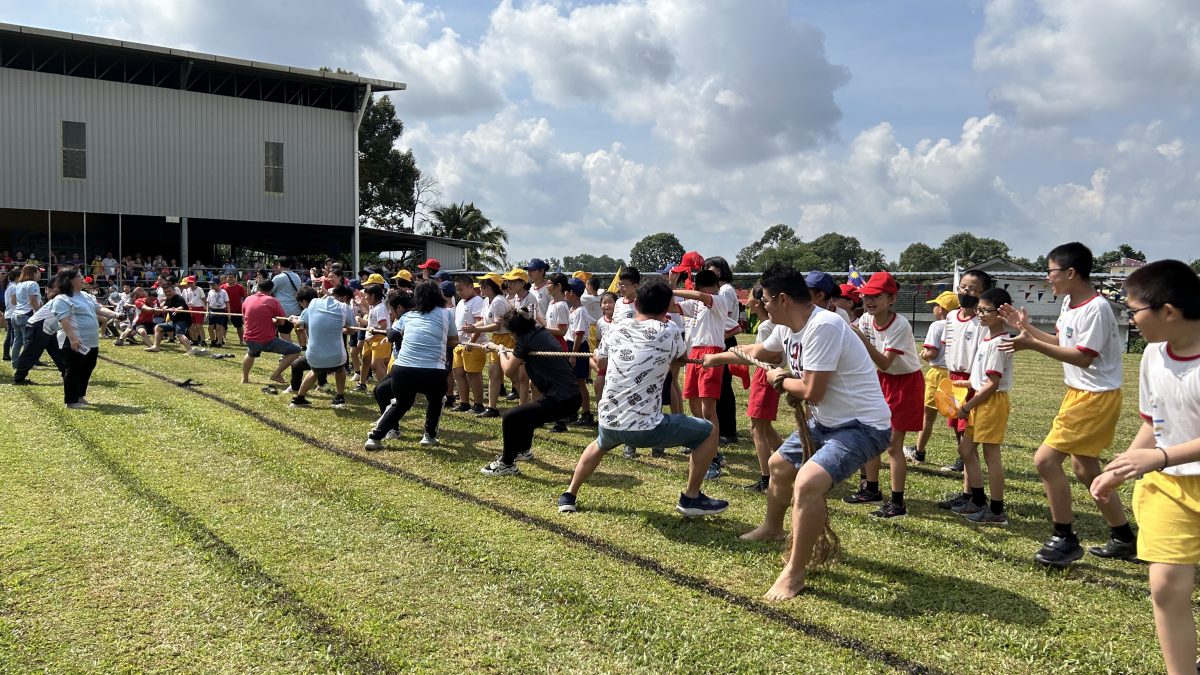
{"x":77,"y":313}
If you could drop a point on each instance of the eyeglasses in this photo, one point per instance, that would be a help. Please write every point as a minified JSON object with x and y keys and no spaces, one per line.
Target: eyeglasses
{"x":1056,"y":269}
{"x":981,"y":310}
{"x":1131,"y":313}
{"x":768,"y":299}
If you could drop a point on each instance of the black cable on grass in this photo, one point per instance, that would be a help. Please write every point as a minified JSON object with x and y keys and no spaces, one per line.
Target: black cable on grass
{"x":344,"y":647}
{"x":675,"y":577}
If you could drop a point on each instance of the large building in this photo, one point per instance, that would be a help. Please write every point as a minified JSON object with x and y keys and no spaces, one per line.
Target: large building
{"x":131,"y":148}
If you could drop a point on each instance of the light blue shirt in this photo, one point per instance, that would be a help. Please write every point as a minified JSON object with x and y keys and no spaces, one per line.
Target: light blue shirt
{"x":425,"y":338}
{"x":325,"y":318}
{"x":286,"y":286}
{"x":26,"y":292}
{"x":81,"y":308}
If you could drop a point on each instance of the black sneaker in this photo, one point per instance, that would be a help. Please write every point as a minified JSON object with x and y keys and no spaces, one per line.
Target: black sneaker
{"x":300,"y":402}
{"x":1115,"y":549}
{"x":512,"y":396}
{"x":890,"y":510}
{"x":951,"y":503}
{"x":759,"y":485}
{"x":566,"y":503}
{"x":863,"y":496}
{"x":339,"y":401}
{"x":956,"y":467}
{"x":489,"y":412}
{"x":701,"y":505}
{"x":360,"y":387}
{"x":584,"y":421}
{"x":1059,"y":551}
{"x":461,"y":407}
{"x":477,"y":409}
{"x":559,"y":428}
{"x":23,"y":381}
{"x":658,"y":452}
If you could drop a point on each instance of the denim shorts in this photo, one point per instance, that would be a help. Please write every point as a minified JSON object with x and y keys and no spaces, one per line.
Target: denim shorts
{"x":841,"y":450}
{"x":176,"y":327}
{"x":672,"y":431}
{"x":275,"y":346}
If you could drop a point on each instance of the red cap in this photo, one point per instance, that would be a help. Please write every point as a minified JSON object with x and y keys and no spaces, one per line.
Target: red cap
{"x":880,"y":282}
{"x":431,"y":264}
{"x":850,"y":291}
{"x":692,"y":260}
{"x":87,"y":280}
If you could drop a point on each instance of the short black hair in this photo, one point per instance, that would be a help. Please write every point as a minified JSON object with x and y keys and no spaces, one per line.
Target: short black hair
{"x":783,"y":278}
{"x":998,"y":297}
{"x":374,"y":290}
{"x":609,"y":295}
{"x":984,"y":278}
{"x":653,"y":298}
{"x":558,"y":279}
{"x":284,"y":262}
{"x":724,"y":274}
{"x":630,"y":274}
{"x":706,"y":278}
{"x":464,"y":279}
{"x":266,"y":286}
{"x":1167,"y":282}
{"x":592,"y":284}
{"x":427,"y":296}
{"x":306,"y":294}
{"x":61,"y":282}
{"x":398,"y":300}
{"x":1074,"y":256}
{"x":520,"y":322}
{"x":342,"y":291}
{"x":488,"y":283}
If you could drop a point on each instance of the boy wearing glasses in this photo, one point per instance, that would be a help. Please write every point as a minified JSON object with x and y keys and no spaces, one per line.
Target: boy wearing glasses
{"x":1089,"y":347}
{"x":962,"y":334}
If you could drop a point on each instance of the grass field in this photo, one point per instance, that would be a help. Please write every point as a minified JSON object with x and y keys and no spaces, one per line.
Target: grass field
{"x":216,"y":529}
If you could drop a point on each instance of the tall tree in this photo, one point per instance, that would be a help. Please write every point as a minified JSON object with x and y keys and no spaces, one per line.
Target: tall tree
{"x":969,"y":250}
{"x":1101,"y":262}
{"x":776,"y":236}
{"x":1196,"y":265}
{"x":656,"y":251}
{"x":920,"y":257}
{"x":386,"y":176}
{"x":466,"y":221}
{"x":591,"y":263}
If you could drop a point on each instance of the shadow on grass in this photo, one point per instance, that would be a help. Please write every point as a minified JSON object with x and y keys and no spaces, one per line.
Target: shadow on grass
{"x":114,"y":409}
{"x":700,"y":532}
{"x":920,"y":594}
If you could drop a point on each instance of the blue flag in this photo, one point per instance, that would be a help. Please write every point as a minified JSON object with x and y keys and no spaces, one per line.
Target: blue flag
{"x":856,"y":279}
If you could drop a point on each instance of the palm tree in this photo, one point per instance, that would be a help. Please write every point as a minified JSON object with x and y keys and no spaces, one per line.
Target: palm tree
{"x":466,"y":221}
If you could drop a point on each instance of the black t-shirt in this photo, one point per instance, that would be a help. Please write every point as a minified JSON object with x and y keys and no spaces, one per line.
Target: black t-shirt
{"x":552,"y":375}
{"x":177,"y":302}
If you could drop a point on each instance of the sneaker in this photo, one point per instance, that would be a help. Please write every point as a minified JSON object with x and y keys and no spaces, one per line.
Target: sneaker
{"x":863,"y":496}
{"x":477,"y":409}
{"x":84,"y":401}
{"x":1113,"y":549}
{"x":890,"y":510}
{"x":629,"y":452}
{"x":584,"y":421}
{"x":353,"y":378}
{"x":289,"y":390}
{"x":489,"y":412}
{"x":373,"y":444}
{"x":512,"y":396}
{"x":300,"y":402}
{"x":956,"y":467}
{"x":759,"y":485}
{"x":499,"y":468}
{"x":566,"y":503}
{"x":719,"y":460}
{"x":727,"y":440}
{"x":428,"y":439}
{"x":913,"y":455}
{"x":714,"y":471}
{"x":559,"y":428}
{"x":968,"y":508}
{"x":951,"y":502}
{"x":339,"y":401}
{"x":116,"y":343}
{"x":197,"y":351}
{"x":524,"y":456}
{"x":986,"y":517}
{"x":700,"y":505}
{"x":360,"y":388}
{"x":392,"y":435}
{"x":76,"y":406}
{"x":23,"y":381}
{"x":658,"y":452}
{"x":1059,"y":551}
{"x":323,"y":387}
{"x":461,"y":407}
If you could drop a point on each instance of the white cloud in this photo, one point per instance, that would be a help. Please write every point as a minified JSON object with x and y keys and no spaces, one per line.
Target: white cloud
{"x":1054,"y":61}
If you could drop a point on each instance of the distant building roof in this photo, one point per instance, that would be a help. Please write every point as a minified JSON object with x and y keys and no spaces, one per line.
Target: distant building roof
{"x":1127,"y":262}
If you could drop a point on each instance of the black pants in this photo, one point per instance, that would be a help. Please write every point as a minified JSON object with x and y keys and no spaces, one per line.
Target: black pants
{"x":79,"y":371}
{"x":36,"y":342}
{"x":299,"y":368}
{"x":384,"y":394}
{"x":406,"y":384}
{"x":519,"y":422}
{"x":8,"y":337}
{"x":726,"y":406}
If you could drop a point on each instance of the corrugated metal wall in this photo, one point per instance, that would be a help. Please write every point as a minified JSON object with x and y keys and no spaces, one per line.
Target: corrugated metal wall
{"x":451,"y":257}
{"x":163,"y":152}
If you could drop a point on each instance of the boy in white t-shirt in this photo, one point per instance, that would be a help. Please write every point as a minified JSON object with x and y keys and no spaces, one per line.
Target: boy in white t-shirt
{"x":702,"y":386}
{"x":496,"y":308}
{"x":577,"y":332}
{"x":558,"y":322}
{"x":608,"y":302}
{"x":627,"y":285}
{"x":962,"y":334}
{"x":933,"y":352}
{"x":1164,"y":303}
{"x":468,"y":362}
{"x":1090,"y":349}
{"x":218,"y":306}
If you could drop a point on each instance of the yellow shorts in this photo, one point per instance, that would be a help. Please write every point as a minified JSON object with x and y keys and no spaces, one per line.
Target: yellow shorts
{"x":504,"y":340}
{"x":593,"y":337}
{"x":1167,"y":509}
{"x":989,"y":421}
{"x":470,"y":360}
{"x":1086,"y":422}
{"x":933,"y":377}
{"x":378,"y":347}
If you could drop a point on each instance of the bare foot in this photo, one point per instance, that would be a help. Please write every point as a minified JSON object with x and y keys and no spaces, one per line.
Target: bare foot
{"x":787,"y":586}
{"x":245,"y":381}
{"x":763,"y":533}
{"x":151,"y":349}
{"x":278,"y":379}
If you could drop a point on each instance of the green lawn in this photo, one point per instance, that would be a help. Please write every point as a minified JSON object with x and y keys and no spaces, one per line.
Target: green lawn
{"x":216,"y":529}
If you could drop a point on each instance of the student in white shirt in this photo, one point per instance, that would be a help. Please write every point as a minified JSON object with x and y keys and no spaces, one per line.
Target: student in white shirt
{"x":577,"y":332}
{"x":218,"y":306}
{"x":1090,"y":349}
{"x":962,"y":334}
{"x":520,"y":298}
{"x":376,"y":350}
{"x":194,"y":296}
{"x":702,"y":386}
{"x":933,"y":352}
{"x":726,"y":405}
{"x":627,"y":285}
{"x":468,"y":362}
{"x":496,"y":308}
{"x":1164,"y":303}
{"x":607,"y":302}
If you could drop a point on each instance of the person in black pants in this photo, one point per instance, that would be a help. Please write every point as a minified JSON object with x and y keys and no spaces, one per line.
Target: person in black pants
{"x":726,"y":405}
{"x":552,"y":375}
{"x":37,"y":340}
{"x":420,"y":365}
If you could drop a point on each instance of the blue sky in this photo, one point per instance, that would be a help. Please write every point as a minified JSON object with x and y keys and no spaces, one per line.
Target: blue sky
{"x":585,"y":126}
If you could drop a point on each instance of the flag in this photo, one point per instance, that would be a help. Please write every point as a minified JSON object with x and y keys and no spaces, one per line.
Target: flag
{"x":957,"y":276}
{"x":612,"y":287}
{"x":855,"y":278}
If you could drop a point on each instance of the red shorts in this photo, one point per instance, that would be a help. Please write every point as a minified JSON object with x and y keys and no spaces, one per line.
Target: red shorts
{"x":764,"y":400}
{"x":905,"y":395}
{"x":701,"y":382}
{"x":959,"y":426}
{"x":197,"y":317}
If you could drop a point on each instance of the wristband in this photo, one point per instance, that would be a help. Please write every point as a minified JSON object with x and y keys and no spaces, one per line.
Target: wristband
{"x":1166,"y":459}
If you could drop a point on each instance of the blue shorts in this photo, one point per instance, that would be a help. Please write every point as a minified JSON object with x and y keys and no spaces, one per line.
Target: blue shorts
{"x":583,"y":364}
{"x":672,"y":431}
{"x":275,"y":346}
{"x":841,"y":450}
{"x":177,"y":327}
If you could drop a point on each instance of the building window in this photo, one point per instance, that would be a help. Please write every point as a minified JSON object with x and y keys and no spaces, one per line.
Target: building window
{"x":74,"y":150}
{"x":274,"y":168}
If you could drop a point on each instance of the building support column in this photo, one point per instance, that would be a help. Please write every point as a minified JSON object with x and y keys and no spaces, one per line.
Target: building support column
{"x":183,"y":247}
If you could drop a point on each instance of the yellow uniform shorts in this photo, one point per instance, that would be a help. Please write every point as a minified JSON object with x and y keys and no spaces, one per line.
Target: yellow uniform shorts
{"x":378,"y":347}
{"x":504,"y":340}
{"x":1167,"y":509}
{"x":593,"y":337}
{"x":933,"y":377}
{"x":989,"y":421}
{"x":1086,"y":422}
{"x":470,"y":360}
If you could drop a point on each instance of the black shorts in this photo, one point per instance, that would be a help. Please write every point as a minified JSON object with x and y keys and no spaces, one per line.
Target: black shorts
{"x":284,"y":328}
{"x":330,"y":371}
{"x":218,"y":320}
{"x":236,"y":320}
{"x":583,"y":364}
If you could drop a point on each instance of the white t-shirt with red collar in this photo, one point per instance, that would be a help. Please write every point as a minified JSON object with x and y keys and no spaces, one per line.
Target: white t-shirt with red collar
{"x":1091,"y":327}
{"x":708,"y":329}
{"x":895,"y":338}
{"x":623,"y":309}
{"x":1169,"y":400}
{"x":990,"y":360}
{"x":962,"y":336}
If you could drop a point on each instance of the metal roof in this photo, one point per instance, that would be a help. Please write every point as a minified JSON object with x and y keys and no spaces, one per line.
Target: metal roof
{"x":182,"y":55}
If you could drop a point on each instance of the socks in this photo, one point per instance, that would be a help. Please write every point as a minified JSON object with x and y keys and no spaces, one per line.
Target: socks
{"x":898,"y":498}
{"x":1064,"y":530}
{"x":1123,"y":534}
{"x":977,"y":496}
{"x":872,"y":486}
{"x":766,"y":480}
{"x":997,"y":506}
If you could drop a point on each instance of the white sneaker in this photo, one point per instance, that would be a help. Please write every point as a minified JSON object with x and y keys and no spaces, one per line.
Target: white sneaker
{"x":372,"y":444}
{"x":392,"y":435}
{"x":524,"y":456}
{"x":429,"y":440}
{"x":76,"y":406}
{"x":910,"y":454}
{"x":499,"y":468}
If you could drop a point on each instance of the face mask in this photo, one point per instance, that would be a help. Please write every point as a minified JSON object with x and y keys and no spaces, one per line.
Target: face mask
{"x":967,"y":301}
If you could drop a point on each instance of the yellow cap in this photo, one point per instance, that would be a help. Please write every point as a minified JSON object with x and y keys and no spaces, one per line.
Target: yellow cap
{"x":582,"y":276}
{"x":947,"y":300}
{"x":515,"y":274}
{"x":494,"y":277}
{"x":376,"y":279}
{"x":403,"y":274}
